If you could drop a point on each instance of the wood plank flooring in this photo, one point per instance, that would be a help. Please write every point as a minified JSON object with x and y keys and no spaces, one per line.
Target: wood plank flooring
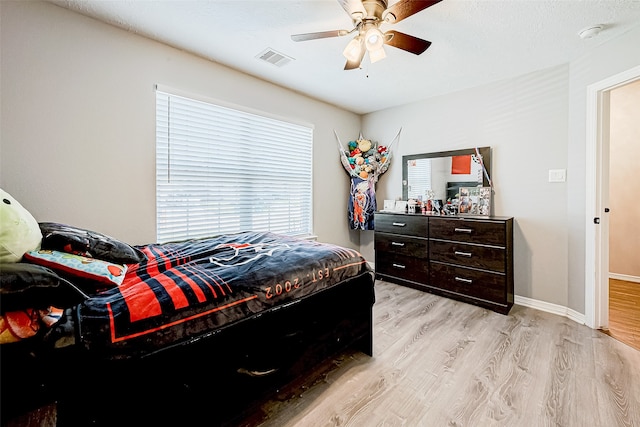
{"x":439,"y":362}
{"x":624,"y":312}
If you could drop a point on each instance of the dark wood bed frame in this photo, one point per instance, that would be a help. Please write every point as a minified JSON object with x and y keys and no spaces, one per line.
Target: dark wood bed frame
{"x":216,"y":379}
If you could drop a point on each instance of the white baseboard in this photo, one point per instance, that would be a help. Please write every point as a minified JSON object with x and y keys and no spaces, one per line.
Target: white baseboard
{"x":560,"y":310}
{"x":624,"y":277}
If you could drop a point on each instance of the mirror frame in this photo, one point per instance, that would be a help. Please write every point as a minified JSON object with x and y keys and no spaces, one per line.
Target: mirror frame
{"x":485,"y":152}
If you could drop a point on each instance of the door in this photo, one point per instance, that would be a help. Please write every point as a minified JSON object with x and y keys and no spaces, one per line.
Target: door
{"x":597,"y":197}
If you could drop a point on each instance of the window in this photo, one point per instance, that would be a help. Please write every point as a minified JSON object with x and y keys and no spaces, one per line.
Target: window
{"x":221,"y":170}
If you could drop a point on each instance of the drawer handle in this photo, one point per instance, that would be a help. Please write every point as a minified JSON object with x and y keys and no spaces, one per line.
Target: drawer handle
{"x":463,"y":280}
{"x":399,"y":224}
{"x":463,"y":230}
{"x":399,"y":266}
{"x":466,"y":254}
{"x":397,"y":244}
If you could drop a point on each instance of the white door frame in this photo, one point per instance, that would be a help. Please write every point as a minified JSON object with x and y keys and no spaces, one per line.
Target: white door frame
{"x":596,"y":198}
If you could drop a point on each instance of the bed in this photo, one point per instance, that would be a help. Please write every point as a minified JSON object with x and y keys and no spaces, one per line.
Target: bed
{"x":178,"y":332}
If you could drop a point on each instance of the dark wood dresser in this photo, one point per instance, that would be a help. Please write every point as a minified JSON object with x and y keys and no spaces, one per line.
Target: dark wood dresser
{"x":466,"y":258}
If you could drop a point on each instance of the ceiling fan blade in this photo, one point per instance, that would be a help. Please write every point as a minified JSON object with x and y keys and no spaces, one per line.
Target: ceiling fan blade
{"x":318,"y":35}
{"x":405,"y":8}
{"x":353,"y":6}
{"x":406,"y":42}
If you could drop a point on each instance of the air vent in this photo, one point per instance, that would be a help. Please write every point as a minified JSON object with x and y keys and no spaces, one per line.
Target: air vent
{"x":276,"y":58}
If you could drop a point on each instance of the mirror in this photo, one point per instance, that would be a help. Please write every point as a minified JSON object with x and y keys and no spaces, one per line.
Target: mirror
{"x":444,"y":173}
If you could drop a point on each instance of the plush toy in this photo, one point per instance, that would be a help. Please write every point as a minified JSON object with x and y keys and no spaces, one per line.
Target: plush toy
{"x":19,"y":231}
{"x":364,"y":145}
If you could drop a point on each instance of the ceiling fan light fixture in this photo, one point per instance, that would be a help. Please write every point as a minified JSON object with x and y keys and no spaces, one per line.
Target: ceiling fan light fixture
{"x":353,"y":50}
{"x":388,"y":16}
{"x":377,"y":54}
{"x":357,"y":16}
{"x":374,"y":39}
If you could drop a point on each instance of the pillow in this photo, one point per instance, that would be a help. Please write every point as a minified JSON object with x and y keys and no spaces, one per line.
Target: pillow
{"x":24,"y":286}
{"x":65,"y":238}
{"x":19,"y":231}
{"x":79,"y":266}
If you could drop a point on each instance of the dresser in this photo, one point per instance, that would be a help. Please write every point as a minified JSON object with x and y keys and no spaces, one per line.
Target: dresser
{"x":465,"y":258}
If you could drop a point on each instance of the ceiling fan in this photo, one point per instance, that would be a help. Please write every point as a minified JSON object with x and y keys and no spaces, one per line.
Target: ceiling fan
{"x":367,"y":16}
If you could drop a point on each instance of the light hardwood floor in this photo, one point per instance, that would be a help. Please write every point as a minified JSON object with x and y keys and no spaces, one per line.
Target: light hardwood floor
{"x":438,"y":362}
{"x":624,"y":312}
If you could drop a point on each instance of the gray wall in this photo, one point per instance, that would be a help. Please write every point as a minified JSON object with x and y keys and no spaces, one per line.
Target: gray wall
{"x":78,"y":122}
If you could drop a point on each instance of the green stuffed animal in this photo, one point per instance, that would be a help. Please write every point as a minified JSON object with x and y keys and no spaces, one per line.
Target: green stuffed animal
{"x":19,"y":230}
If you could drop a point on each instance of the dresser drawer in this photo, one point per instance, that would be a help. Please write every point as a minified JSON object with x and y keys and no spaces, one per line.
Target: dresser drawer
{"x":477,"y":256}
{"x":468,"y":230}
{"x":401,"y":245}
{"x":403,"y":267}
{"x":411,"y":225}
{"x":469,"y":282}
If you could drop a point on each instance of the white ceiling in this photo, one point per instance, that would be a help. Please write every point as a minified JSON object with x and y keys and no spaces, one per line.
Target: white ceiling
{"x":474,"y":41}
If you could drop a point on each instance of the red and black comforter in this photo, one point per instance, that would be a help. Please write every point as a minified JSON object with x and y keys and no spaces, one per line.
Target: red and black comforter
{"x":187,"y":290}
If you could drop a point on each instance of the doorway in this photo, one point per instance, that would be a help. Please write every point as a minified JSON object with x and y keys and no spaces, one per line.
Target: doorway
{"x":624,"y":215}
{"x":597,"y":197}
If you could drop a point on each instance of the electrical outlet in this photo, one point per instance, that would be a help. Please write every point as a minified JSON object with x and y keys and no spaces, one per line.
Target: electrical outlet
{"x":557,"y":175}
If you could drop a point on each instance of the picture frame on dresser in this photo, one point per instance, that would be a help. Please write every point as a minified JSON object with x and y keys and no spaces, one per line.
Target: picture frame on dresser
{"x":400,"y":206}
{"x":484,"y":201}
{"x":465,"y":202}
{"x":475,"y":201}
{"x":389,"y":205}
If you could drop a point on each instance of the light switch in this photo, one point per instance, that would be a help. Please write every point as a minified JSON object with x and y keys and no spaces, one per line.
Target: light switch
{"x":557,"y":175}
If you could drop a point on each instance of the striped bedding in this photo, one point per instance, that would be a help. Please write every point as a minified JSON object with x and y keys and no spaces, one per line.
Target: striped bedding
{"x":188,"y":290}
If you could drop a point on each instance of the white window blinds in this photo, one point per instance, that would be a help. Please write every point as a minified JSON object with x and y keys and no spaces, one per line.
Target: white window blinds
{"x":220,"y":170}
{"x":419,"y":175}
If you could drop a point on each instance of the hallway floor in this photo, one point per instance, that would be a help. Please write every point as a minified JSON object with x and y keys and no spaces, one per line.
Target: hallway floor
{"x":624,"y":312}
